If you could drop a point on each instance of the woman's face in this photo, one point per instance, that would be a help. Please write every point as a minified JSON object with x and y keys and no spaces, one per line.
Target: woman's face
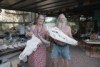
{"x":40,"y":20}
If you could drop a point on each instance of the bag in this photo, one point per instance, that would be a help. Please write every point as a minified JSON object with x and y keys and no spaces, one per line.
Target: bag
{"x":31,"y":46}
{"x":57,"y":34}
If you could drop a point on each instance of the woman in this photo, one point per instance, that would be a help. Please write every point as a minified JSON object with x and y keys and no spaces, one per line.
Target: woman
{"x":38,"y":58}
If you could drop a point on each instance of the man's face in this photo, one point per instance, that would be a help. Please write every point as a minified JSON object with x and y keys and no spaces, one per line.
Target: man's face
{"x":40,"y":20}
{"x":61,"y":19}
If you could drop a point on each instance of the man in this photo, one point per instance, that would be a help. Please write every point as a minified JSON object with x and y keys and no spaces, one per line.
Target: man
{"x":61,"y":49}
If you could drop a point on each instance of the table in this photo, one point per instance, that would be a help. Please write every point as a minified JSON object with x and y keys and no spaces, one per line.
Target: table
{"x":9,"y":51}
{"x":92,"y":44}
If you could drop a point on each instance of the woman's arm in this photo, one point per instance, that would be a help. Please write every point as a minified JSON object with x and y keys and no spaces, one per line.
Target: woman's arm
{"x":44,"y":41}
{"x":29,"y":34}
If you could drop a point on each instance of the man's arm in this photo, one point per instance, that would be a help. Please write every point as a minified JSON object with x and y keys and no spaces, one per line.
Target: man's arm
{"x":69,"y":32}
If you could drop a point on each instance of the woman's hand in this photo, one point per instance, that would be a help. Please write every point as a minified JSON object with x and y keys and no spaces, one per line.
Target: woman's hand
{"x":28,"y":34}
{"x":44,"y":41}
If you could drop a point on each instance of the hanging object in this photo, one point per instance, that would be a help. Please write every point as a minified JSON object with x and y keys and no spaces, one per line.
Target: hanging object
{"x":82,"y":18}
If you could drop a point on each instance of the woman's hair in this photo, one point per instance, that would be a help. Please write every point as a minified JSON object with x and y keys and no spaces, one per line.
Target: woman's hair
{"x":40,"y":15}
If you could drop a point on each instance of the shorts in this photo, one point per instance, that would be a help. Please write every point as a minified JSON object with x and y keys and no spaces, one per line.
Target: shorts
{"x":60,"y":51}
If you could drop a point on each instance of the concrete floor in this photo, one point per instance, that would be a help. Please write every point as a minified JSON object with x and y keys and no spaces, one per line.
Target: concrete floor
{"x":78,"y":59}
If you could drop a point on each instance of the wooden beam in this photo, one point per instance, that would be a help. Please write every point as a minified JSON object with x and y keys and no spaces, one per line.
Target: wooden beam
{"x":46,"y":4}
{"x":16,"y":3}
{"x":31,"y":4}
{"x":80,"y":2}
{"x":59,"y":1}
{"x":1,"y":1}
{"x":16,"y":13}
{"x":60,"y":7}
{"x":14,"y":22}
{"x":66,"y":3}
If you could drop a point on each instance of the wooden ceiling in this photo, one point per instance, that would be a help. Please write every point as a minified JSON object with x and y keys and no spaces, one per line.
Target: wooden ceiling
{"x":46,"y":6}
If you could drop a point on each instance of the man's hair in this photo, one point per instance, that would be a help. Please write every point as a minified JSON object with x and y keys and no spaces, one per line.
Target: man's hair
{"x":61,"y":16}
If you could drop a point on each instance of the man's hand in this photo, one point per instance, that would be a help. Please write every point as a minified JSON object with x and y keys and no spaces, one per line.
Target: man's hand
{"x":59,"y":42}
